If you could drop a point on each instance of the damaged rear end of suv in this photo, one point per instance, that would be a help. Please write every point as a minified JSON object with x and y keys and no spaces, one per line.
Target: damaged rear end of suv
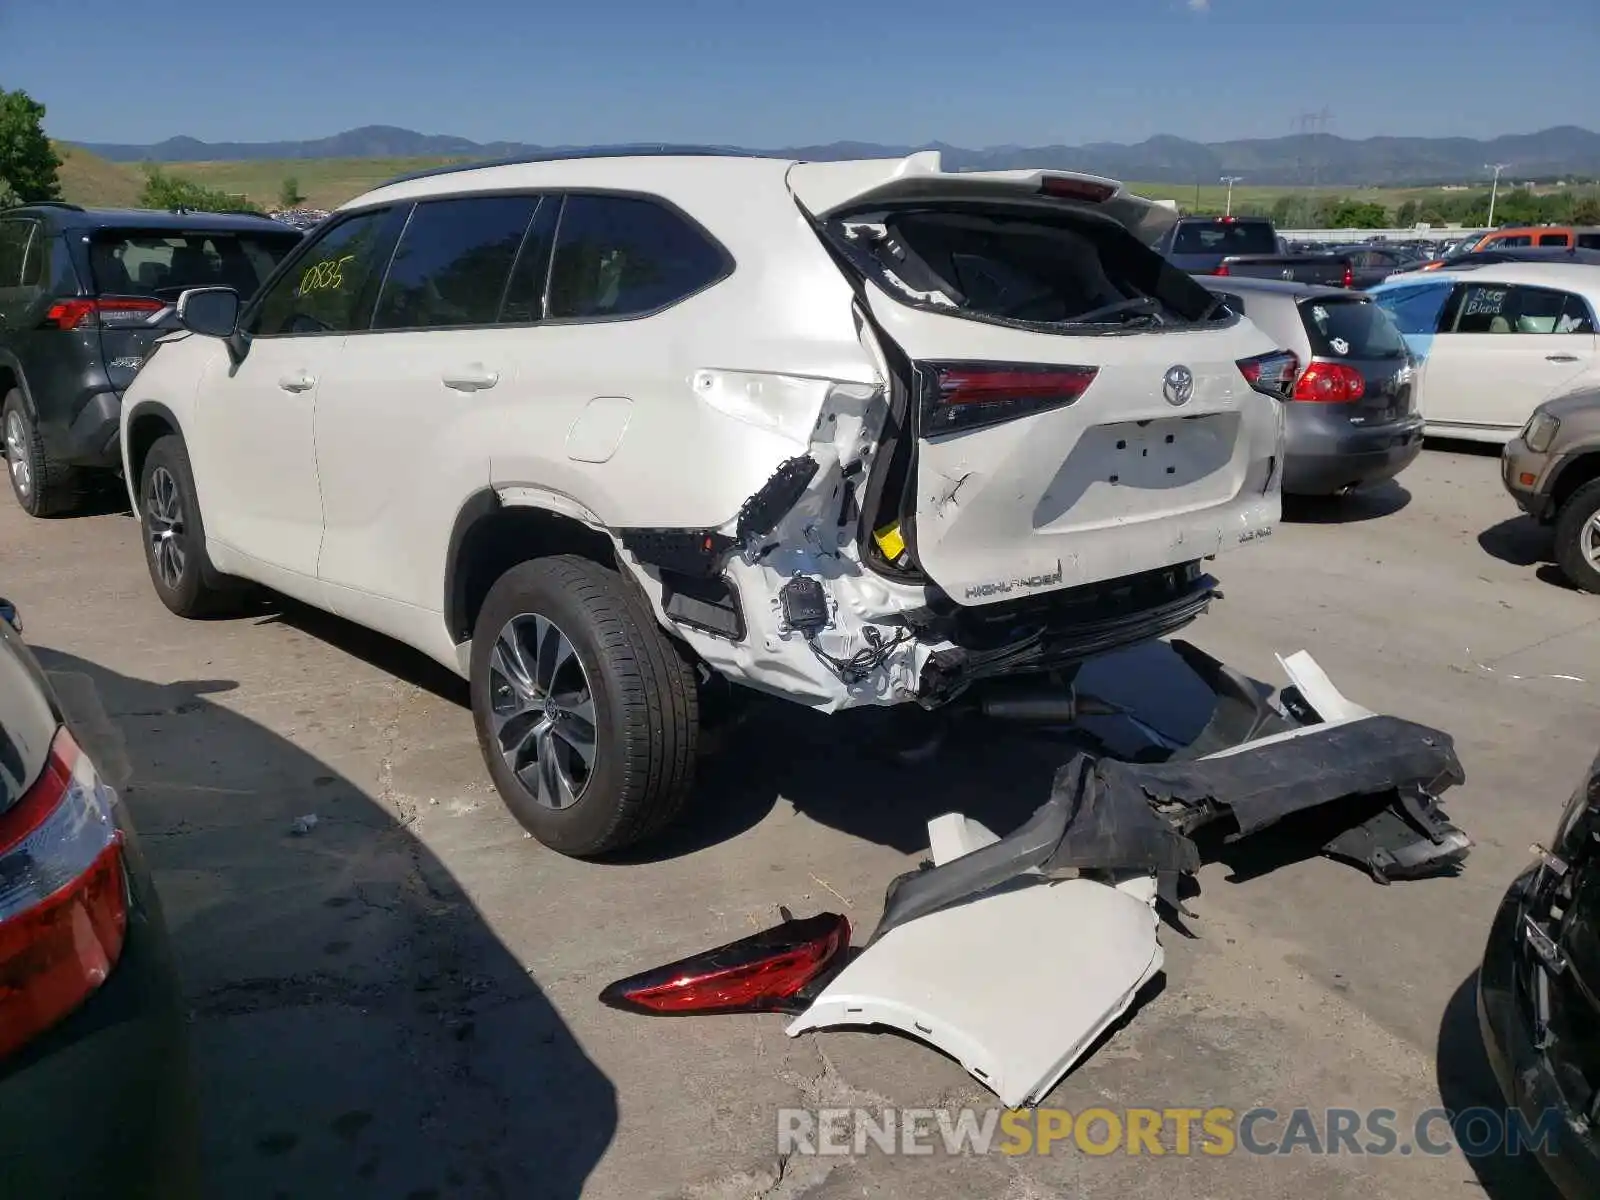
{"x":1060,"y":430}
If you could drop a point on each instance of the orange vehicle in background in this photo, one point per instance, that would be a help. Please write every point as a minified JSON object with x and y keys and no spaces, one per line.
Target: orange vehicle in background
{"x":1554,"y":236}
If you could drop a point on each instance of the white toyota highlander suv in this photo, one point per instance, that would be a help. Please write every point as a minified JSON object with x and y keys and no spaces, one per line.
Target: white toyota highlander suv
{"x":602,"y":433}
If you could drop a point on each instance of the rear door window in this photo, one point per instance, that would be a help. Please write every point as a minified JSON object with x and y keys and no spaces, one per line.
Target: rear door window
{"x":1555,"y":239}
{"x":15,"y":237}
{"x":330,"y":288}
{"x":625,"y":256}
{"x":1589,"y":241}
{"x":162,"y":264}
{"x":1225,"y":237}
{"x":1414,"y":310}
{"x":1020,"y":266}
{"x":1340,"y":328}
{"x":453,"y":261}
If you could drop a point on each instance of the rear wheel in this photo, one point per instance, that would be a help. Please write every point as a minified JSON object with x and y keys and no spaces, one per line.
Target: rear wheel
{"x":1578,"y":537}
{"x":174,"y":536}
{"x":43,"y":486}
{"x":587,"y":713}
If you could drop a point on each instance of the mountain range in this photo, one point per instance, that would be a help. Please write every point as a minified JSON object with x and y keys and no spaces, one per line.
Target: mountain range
{"x":1562,"y":151}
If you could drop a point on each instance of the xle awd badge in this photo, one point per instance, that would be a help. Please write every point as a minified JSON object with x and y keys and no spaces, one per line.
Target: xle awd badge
{"x":1178,"y":386}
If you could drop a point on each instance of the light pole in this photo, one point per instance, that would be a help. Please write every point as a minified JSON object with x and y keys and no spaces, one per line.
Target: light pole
{"x":1230,"y":180}
{"x":1494,"y":188}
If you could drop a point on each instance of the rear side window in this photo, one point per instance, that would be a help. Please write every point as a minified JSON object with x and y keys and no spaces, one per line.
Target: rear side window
{"x":1341,"y":328}
{"x":161,"y":264}
{"x":1415,"y":310}
{"x":1555,"y":239}
{"x":1225,"y":237}
{"x":14,"y":237}
{"x":329,"y":288}
{"x":453,"y":261}
{"x":1589,"y":241}
{"x":621,"y":256}
{"x":1023,"y":266}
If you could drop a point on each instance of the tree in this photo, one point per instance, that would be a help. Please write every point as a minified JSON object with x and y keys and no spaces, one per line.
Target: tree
{"x":1407,"y":214}
{"x":173,"y":191}
{"x":28,"y":162}
{"x":290,"y":196}
{"x":1586,"y":211}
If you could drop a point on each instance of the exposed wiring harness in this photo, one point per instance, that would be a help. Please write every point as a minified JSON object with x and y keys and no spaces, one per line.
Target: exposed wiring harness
{"x":864,"y":661}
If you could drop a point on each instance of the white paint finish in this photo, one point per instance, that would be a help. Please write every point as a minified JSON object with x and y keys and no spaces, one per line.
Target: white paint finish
{"x":599,"y":429}
{"x":1493,"y":381}
{"x":1306,"y":674}
{"x":952,"y":835}
{"x":1029,"y":505}
{"x":399,"y":452}
{"x":251,"y":442}
{"x":1015,"y":985}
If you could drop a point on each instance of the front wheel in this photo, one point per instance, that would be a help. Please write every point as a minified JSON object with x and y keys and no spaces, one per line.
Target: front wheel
{"x":1578,"y":537}
{"x":586,"y":711}
{"x":43,"y":486}
{"x":174,"y":537}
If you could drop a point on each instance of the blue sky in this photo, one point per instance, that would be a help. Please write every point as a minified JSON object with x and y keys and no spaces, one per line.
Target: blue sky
{"x":759,"y":73}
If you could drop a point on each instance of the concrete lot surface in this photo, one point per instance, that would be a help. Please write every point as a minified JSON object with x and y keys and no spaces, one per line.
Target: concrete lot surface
{"x":401,"y":1002}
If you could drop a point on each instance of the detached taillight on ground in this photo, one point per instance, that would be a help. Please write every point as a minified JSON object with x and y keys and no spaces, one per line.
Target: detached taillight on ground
{"x":958,"y":396}
{"x":104,"y":311}
{"x":765,"y":972}
{"x":1330,"y":383}
{"x":1272,"y":374}
{"x":63,"y":895}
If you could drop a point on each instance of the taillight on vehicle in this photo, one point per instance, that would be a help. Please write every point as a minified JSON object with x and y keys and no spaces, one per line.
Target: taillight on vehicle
{"x":1272,"y":374}
{"x":764,"y":972}
{"x":1222,"y":269}
{"x":1330,"y":383}
{"x":1349,"y":275}
{"x":112,"y":311}
{"x":958,"y":396}
{"x":63,"y":895}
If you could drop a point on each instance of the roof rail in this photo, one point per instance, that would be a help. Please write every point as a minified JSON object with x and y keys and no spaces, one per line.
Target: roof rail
{"x":49,"y":204}
{"x":636,"y":150}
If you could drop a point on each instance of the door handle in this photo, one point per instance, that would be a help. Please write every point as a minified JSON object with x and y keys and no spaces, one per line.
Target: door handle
{"x":299,"y":382}
{"x":1561,"y":358}
{"x":473,"y":378}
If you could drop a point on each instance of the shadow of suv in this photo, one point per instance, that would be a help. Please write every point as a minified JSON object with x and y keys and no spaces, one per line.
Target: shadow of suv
{"x":83,"y":295}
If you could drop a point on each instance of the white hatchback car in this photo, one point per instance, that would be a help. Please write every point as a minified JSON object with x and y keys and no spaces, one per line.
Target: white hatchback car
{"x":1494,"y":342}
{"x":604,"y":433}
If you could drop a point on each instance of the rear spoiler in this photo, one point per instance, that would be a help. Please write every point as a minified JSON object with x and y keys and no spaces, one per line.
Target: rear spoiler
{"x":826,"y":189}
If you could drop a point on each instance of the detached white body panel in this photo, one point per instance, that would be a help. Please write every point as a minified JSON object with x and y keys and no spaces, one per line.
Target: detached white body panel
{"x":1015,"y":985}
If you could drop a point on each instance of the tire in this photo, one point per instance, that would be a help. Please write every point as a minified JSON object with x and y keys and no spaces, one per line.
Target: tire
{"x":1572,"y":524}
{"x":42,"y":486}
{"x":625,"y":679}
{"x":174,"y":535}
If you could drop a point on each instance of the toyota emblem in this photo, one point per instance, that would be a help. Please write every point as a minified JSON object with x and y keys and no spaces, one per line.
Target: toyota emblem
{"x":1178,"y":386}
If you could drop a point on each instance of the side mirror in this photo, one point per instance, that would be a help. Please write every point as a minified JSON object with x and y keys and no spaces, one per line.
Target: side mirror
{"x":212,"y":311}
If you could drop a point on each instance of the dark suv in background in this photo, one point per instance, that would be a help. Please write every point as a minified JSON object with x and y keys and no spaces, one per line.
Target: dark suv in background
{"x":83,"y":294}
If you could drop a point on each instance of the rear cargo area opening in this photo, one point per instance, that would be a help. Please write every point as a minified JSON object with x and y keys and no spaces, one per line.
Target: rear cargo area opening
{"x":1038,"y":267}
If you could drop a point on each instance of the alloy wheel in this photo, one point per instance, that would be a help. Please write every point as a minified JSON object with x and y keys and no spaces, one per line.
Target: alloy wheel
{"x":163,"y":515}
{"x":542,"y":710}
{"x":17,"y":454}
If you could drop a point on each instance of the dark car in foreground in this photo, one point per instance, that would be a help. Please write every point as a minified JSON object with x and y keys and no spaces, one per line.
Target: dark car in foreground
{"x":1351,"y":419}
{"x":83,"y":294}
{"x":1248,"y":247}
{"x":1539,"y":996}
{"x":94,"y":1079}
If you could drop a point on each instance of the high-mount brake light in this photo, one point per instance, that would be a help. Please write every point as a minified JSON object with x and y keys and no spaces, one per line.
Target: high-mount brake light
{"x":969,"y":395}
{"x":1076,"y":189}
{"x":765,"y":972}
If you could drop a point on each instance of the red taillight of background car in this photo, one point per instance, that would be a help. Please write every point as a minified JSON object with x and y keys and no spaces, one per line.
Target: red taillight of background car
{"x":1271,"y":374}
{"x":86,"y":313}
{"x":1349,"y":275}
{"x":1222,"y":269}
{"x":764,"y":972}
{"x":63,"y":895}
{"x":958,"y":396}
{"x":1330,"y":383}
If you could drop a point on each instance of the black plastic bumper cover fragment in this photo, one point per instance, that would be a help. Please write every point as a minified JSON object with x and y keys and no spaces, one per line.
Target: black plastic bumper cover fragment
{"x":1120,"y":816}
